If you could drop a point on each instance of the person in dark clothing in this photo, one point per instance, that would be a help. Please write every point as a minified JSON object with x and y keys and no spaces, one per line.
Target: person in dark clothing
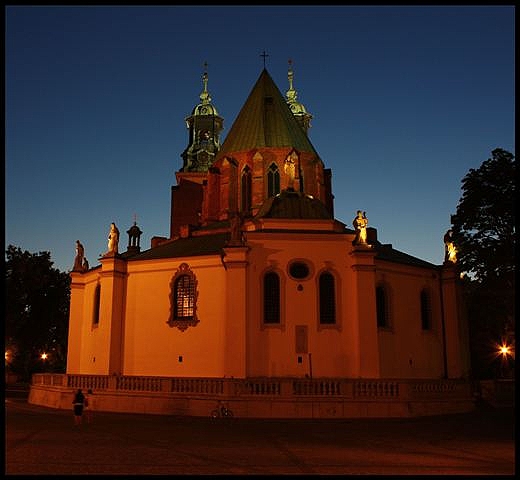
{"x":77,"y":405}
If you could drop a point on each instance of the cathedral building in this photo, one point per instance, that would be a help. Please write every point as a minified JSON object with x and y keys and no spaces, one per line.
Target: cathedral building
{"x":257,"y":279}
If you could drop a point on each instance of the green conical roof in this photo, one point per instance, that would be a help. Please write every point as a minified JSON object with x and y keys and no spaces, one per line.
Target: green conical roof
{"x":265,"y":120}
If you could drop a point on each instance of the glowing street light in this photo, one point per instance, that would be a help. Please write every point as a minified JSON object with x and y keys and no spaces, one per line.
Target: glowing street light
{"x":44,"y":356}
{"x":504,"y":350}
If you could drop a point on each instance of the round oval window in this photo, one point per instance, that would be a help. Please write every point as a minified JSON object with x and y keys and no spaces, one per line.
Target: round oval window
{"x":299,"y":270}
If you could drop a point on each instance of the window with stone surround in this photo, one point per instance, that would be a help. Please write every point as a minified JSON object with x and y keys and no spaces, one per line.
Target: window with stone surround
{"x":183,"y":299}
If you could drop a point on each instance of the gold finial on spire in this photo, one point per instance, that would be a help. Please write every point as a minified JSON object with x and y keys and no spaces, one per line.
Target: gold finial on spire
{"x":204,"y":96}
{"x":291,"y":93}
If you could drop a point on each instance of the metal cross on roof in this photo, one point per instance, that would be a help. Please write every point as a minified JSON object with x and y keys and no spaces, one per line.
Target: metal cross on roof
{"x":263,"y":54}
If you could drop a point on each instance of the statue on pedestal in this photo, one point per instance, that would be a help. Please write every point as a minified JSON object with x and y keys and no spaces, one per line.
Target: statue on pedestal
{"x":450,"y":252}
{"x":78,"y":260}
{"x":290,"y":170}
{"x":113,"y":239}
{"x":235,"y":222}
{"x":360,"y":226}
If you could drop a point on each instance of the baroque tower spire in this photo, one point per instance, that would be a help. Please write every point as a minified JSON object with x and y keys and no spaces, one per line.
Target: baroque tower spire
{"x":204,"y":125}
{"x":298,"y":109}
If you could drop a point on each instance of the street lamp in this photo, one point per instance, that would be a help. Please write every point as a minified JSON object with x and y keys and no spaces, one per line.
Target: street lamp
{"x":504,"y":351}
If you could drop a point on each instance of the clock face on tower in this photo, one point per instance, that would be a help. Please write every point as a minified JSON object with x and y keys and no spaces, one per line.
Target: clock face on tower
{"x":203,"y":110}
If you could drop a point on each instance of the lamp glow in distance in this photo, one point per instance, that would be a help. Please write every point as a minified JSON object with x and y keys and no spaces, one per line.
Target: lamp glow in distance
{"x":504,"y":351}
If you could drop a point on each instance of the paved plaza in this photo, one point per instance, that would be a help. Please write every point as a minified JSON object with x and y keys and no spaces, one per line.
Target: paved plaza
{"x":44,"y":441}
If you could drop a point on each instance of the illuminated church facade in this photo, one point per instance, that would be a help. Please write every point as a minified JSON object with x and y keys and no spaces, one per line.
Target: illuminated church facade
{"x":257,"y":278}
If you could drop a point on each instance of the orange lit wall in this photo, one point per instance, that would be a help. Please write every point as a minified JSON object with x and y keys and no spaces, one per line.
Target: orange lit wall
{"x":133,"y":336}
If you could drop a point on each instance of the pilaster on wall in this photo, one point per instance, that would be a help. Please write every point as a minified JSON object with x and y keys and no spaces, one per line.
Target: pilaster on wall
{"x":235,"y":263}
{"x":365,"y":310}
{"x":77,"y":293}
{"x":112,"y":311}
{"x":455,"y":324}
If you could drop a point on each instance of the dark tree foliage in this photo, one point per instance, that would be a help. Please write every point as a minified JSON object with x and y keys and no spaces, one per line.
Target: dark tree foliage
{"x":485,"y":238}
{"x":36,"y":313}
{"x":484,"y":225}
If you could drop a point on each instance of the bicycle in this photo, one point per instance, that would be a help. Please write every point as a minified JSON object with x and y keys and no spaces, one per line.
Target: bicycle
{"x":221,"y":411}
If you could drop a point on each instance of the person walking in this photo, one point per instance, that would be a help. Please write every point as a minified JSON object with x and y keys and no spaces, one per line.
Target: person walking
{"x":88,"y":405}
{"x":77,"y":405}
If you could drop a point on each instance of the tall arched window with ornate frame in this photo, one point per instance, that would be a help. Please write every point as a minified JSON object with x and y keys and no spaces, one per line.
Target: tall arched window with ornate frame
{"x":183,"y":299}
{"x":271,"y":298}
{"x":273,"y":180}
{"x":245,"y":191}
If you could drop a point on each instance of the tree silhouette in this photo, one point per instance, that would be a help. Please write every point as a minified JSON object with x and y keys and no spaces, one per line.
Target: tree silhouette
{"x":36,"y":313}
{"x":485,"y":236}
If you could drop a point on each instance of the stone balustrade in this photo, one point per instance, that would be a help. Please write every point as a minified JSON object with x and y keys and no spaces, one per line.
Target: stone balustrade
{"x":259,"y":397}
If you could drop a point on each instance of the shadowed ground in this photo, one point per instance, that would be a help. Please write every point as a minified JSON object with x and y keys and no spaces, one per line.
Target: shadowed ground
{"x":41,"y":440}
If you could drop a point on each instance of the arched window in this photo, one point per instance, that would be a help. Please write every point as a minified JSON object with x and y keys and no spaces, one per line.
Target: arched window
{"x":183,"y":299}
{"x":381,"y":307}
{"x":327,"y":294}
{"x":97,"y":305}
{"x":245,"y":190}
{"x":271,"y":298}
{"x":426,"y":313}
{"x":273,"y":181}
{"x":184,"y":292}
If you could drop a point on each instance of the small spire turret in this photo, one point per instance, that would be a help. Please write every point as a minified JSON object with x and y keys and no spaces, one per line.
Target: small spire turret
{"x":134,"y":237}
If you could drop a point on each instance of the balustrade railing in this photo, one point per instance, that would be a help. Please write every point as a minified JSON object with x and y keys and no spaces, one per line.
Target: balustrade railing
{"x":376,"y":389}
{"x":317,"y":387}
{"x":360,"y":389}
